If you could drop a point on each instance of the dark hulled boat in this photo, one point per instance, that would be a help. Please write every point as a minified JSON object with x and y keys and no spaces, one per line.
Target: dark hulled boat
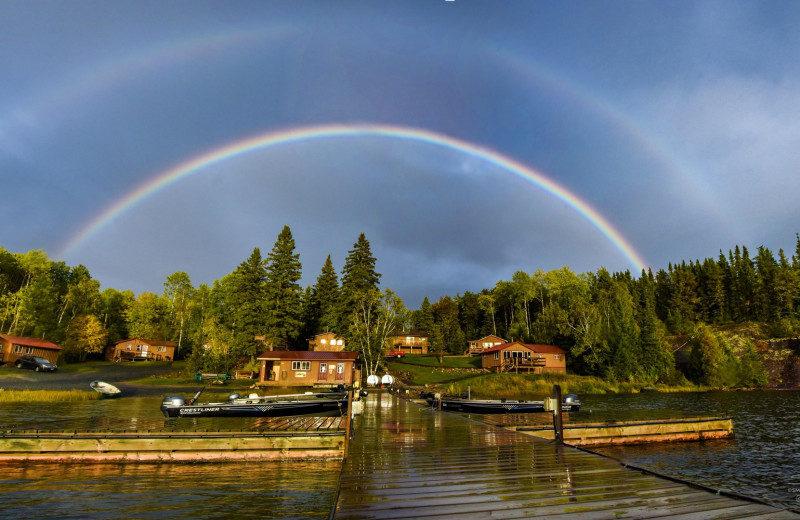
{"x":322,"y":404}
{"x":570,"y":403}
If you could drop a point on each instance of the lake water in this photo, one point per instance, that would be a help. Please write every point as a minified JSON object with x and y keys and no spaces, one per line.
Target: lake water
{"x":760,"y":462}
{"x":763,"y":460}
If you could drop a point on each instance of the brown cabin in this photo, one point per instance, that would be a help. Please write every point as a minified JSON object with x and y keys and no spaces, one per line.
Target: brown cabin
{"x":309,"y":368}
{"x":479,"y":345}
{"x":410,"y":341}
{"x":12,"y":347}
{"x":140,"y":349}
{"x":326,"y":342}
{"x":519,"y":357}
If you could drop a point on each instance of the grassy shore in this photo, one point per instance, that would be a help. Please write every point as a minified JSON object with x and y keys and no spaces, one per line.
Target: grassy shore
{"x":459,"y":374}
{"x":28,"y":396}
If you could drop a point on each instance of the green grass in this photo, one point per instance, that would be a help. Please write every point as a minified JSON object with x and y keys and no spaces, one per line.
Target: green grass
{"x":27,"y":396}
{"x":537,"y":386}
{"x":449,"y":361}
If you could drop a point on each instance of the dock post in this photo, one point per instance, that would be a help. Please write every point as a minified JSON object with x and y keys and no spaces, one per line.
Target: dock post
{"x":558,"y":419}
{"x":347,"y":420}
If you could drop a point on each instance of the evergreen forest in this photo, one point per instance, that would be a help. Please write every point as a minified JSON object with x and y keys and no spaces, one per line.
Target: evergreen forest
{"x":613,"y":325}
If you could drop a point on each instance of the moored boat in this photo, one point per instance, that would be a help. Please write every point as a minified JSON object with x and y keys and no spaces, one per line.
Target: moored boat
{"x":320,"y":404}
{"x":105,"y":389}
{"x":570,"y":403}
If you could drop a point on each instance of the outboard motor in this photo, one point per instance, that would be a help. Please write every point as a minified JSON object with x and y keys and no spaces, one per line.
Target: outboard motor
{"x":234,"y":396}
{"x":572,"y":401}
{"x":171,"y":405}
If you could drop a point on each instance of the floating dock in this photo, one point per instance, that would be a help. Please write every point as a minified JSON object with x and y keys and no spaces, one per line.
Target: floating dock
{"x":637,"y":432}
{"x":283,"y":438}
{"x":407,"y":461}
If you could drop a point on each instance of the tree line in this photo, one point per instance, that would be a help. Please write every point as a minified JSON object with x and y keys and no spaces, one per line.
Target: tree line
{"x":612,"y":324}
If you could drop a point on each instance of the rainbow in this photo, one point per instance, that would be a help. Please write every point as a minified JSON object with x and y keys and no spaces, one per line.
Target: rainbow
{"x":294,"y":135}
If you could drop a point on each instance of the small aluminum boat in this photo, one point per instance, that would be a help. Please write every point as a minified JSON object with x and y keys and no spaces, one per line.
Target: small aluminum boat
{"x":321,"y":404}
{"x":105,"y":389}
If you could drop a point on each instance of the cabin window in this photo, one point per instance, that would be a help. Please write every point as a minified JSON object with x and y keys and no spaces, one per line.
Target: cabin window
{"x":129,"y":347}
{"x":138,"y":347}
{"x":339,"y":342}
{"x":323,"y":341}
{"x":496,"y":356}
{"x":340,"y":368}
{"x":162,"y":349}
{"x":17,"y":349}
{"x":556,"y":356}
{"x":301,"y":365}
{"x":29,"y":350}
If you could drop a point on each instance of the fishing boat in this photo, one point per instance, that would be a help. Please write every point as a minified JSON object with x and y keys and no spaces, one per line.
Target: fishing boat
{"x":321,"y":404}
{"x":570,"y":403}
{"x":105,"y":389}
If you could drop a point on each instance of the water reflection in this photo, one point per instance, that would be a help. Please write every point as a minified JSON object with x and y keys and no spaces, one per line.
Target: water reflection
{"x":170,"y":491}
{"x":760,"y":461}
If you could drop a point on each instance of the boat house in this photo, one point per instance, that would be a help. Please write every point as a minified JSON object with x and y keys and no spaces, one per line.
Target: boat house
{"x":410,"y":342}
{"x":308,"y":368}
{"x":477,"y":346}
{"x":518,"y":357}
{"x":12,"y":347}
{"x":139,"y":349}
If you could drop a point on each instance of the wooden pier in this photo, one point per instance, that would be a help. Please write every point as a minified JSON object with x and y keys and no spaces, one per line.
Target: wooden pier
{"x":408,"y":461}
{"x":637,"y":432}
{"x":276,"y":439}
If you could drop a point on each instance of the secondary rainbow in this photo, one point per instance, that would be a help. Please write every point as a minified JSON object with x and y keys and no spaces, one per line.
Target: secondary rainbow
{"x":282,"y":137}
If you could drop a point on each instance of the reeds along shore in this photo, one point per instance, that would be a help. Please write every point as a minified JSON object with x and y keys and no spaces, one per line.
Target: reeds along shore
{"x":521,"y":386}
{"x":26,"y":396}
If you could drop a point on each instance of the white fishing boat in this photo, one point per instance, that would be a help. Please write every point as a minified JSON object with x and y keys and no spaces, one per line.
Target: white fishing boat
{"x":105,"y":389}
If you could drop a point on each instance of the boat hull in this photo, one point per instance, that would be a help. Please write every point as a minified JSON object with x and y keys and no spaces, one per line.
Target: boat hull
{"x":334,"y":406}
{"x":107,"y":391}
{"x":498,"y":407}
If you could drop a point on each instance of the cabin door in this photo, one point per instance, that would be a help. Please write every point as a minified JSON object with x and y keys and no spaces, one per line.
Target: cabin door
{"x":340,"y":371}
{"x":323,"y":372}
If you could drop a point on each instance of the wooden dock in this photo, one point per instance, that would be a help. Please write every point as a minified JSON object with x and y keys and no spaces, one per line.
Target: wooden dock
{"x":637,"y":432}
{"x":275,"y":439}
{"x":408,"y":461}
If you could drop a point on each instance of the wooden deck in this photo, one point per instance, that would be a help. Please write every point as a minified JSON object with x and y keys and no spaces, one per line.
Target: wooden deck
{"x":275,"y":438}
{"x":407,"y":461}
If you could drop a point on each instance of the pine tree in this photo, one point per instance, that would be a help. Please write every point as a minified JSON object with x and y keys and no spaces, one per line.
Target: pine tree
{"x":247,"y":305}
{"x":325,"y":299}
{"x":358,"y":279}
{"x":283,"y":292}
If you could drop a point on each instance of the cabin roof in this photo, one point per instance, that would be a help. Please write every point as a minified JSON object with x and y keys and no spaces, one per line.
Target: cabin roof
{"x":410,"y":332}
{"x":153,"y":342}
{"x":30,"y":342}
{"x":487,"y":337}
{"x":539,"y":349}
{"x":292,"y":355}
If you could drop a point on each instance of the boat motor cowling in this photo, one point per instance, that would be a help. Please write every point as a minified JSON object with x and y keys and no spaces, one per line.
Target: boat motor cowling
{"x":172,"y":402}
{"x":571,"y":398}
{"x":234,"y":396}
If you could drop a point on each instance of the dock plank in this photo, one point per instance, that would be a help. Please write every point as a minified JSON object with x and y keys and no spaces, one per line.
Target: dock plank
{"x":406,"y":461}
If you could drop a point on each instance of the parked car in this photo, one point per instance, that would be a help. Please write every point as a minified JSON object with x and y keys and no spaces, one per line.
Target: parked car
{"x":37,"y":363}
{"x":395,"y":354}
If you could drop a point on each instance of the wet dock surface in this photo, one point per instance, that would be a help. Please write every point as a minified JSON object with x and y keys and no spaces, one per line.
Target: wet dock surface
{"x":407,"y":461}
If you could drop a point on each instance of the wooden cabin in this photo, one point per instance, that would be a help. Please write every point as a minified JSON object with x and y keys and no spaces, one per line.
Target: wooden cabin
{"x":518,"y":357}
{"x":12,"y":347}
{"x":309,"y":368}
{"x":140,"y":349}
{"x":410,"y":342}
{"x":326,"y":342}
{"x":477,"y":346}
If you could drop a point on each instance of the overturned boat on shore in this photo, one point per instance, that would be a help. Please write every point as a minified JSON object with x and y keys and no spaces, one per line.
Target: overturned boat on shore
{"x":107,"y":390}
{"x":570,"y":403}
{"x":310,"y":404}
